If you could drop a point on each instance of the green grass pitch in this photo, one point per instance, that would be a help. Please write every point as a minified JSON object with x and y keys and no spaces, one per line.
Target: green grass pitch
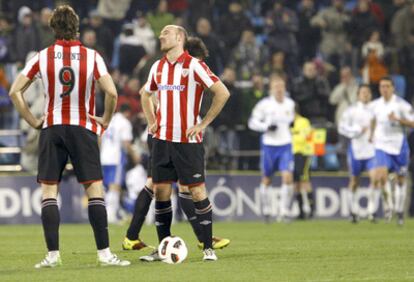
{"x":300,"y":251}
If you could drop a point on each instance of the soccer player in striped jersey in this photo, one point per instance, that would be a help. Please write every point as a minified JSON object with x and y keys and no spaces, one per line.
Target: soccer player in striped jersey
{"x":355,"y":124}
{"x":69,"y":72}
{"x":392,"y":115}
{"x":195,"y":48}
{"x":273,"y":116}
{"x":179,"y":81}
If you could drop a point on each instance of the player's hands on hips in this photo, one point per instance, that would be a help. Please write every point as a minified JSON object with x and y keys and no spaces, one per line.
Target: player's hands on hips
{"x":194,"y":131}
{"x":38,"y":124}
{"x":153,"y":128}
{"x":100,"y":120}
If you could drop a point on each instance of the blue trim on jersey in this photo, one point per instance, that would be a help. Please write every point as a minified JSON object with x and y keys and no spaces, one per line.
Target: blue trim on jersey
{"x":356,"y":167}
{"x":276,"y":158}
{"x":394,"y":163}
{"x":115,"y":174}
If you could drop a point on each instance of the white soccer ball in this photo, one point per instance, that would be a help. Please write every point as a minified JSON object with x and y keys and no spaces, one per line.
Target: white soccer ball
{"x":172,"y":250}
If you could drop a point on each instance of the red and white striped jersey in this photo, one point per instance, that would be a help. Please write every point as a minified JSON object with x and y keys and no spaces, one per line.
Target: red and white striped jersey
{"x":179,"y":88}
{"x":68,"y":71}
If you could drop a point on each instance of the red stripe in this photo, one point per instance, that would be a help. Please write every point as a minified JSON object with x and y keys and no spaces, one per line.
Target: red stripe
{"x":82,"y":86}
{"x":50,"y":70}
{"x":92,"y":107}
{"x":66,"y":98}
{"x":170,"y":104}
{"x":34,"y":70}
{"x":199,"y":90}
{"x":183,"y":100}
{"x":158,"y":80}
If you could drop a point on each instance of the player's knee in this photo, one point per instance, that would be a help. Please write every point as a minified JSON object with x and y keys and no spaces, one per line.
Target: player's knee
{"x":162,"y":192}
{"x":94,"y":189}
{"x":198,"y":193}
{"x":183,"y":189}
{"x":49,"y":191}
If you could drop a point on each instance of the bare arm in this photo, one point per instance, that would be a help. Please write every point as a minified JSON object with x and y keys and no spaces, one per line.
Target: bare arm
{"x":107,"y":85}
{"x":127,"y":145}
{"x":148,"y":108}
{"x":373,"y":126}
{"x":220,"y":96}
{"x":16,"y":95}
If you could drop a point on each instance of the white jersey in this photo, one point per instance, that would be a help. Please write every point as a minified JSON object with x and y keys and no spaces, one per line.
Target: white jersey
{"x":119,"y":130}
{"x":355,"y":123}
{"x":268,"y":112}
{"x":388,"y":135}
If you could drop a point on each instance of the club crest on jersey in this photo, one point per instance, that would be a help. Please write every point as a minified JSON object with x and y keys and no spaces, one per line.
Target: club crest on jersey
{"x":185,"y":72}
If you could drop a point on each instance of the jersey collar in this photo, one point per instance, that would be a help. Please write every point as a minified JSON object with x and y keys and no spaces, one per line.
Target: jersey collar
{"x":180,"y":59}
{"x":68,"y":43}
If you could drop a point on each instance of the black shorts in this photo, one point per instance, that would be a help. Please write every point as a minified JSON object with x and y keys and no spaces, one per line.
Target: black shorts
{"x":177,"y":161}
{"x":149,"y":166}
{"x":301,"y":171}
{"x":58,"y":143}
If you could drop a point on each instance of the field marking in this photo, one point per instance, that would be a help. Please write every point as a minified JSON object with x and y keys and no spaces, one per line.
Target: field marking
{"x":363,"y":279}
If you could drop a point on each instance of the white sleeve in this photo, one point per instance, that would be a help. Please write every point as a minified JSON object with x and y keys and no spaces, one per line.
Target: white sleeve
{"x":100,"y":67}
{"x":204,"y":75}
{"x":346,"y":127}
{"x":32,"y":67}
{"x":257,"y":120}
{"x":407,"y":111}
{"x":151,"y":85}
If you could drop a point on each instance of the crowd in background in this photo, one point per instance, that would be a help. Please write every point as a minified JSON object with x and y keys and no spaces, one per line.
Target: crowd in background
{"x":323,"y":49}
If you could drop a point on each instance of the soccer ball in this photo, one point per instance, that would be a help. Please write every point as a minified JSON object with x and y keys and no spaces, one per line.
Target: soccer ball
{"x":172,"y":250}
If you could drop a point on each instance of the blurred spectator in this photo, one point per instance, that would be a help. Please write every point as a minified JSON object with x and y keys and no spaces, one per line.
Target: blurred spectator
{"x":345,"y":93}
{"x":248,"y":56}
{"x":250,"y":96}
{"x":227,"y":121}
{"x":402,"y":26}
{"x":104,"y":36}
{"x":231,"y":26}
{"x":373,"y":44}
{"x":143,"y":31}
{"x":160,"y":18}
{"x":130,"y":95}
{"x":89,"y":40}
{"x":35,"y":100}
{"x":390,"y":8}
{"x":113,"y":13}
{"x":131,"y":50}
{"x":376,"y":10}
{"x":46,"y":35}
{"x":374,"y":67}
{"x":311,"y":92}
{"x":26,"y":37}
{"x":7,"y":51}
{"x":281,"y":27}
{"x":308,"y":35}
{"x":199,"y":9}
{"x":213,"y":44}
{"x":363,"y":22}
{"x":276,"y":65}
{"x":333,"y":21}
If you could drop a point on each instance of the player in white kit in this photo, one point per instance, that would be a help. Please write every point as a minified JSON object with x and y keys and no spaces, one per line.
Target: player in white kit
{"x":273,"y":116}
{"x":115,"y":147}
{"x":392,"y":115}
{"x":355,"y":124}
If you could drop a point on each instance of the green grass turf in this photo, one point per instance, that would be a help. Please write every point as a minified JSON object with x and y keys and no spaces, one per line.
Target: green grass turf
{"x":300,"y":251}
